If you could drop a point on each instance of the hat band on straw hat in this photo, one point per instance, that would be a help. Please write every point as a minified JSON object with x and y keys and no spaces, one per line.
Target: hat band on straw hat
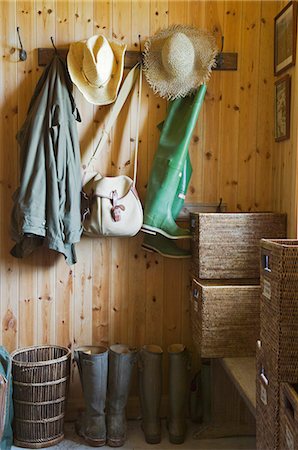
{"x":98,"y":86}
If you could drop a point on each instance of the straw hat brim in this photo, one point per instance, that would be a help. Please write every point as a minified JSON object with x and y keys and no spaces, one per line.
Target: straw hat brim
{"x":158,"y":77}
{"x":103,"y":95}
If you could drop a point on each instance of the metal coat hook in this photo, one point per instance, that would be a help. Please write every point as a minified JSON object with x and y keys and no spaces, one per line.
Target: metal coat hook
{"x":22,"y":51}
{"x":219,"y":57}
{"x":53,"y":44}
{"x":218,"y":208}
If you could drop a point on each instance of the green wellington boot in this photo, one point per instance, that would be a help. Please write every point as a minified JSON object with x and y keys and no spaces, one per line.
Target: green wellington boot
{"x":93,"y":369}
{"x":168,"y":166}
{"x":121,"y":361}
{"x":159,"y":243}
{"x":150,"y":390}
{"x":179,"y":369}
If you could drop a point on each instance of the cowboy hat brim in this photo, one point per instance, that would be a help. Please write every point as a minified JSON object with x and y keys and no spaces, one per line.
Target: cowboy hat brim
{"x":105,"y":94}
{"x":171,"y":87}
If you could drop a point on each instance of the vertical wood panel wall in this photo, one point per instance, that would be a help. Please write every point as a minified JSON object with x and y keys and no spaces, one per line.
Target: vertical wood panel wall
{"x":116,"y":292}
{"x":284,"y":161}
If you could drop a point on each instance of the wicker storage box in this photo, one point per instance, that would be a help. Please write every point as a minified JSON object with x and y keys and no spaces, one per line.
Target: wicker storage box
{"x":40,"y":385}
{"x":279,"y":307}
{"x":225,"y":318}
{"x":288,"y":416}
{"x":226,"y":245}
{"x":267,"y":406}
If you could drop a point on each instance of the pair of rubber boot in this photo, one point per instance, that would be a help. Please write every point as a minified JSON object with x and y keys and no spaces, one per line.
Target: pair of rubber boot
{"x":150,"y":391}
{"x":105,"y":376}
{"x":170,"y":176}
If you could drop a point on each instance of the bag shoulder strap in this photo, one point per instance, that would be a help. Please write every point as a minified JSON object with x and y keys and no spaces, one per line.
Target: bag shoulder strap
{"x":122,"y":96}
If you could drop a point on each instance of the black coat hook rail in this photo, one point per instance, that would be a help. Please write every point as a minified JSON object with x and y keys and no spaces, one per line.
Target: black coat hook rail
{"x":225,"y":61}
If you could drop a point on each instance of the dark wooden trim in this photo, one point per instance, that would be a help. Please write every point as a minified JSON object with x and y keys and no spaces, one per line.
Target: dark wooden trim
{"x":46,"y":54}
{"x":226,"y":61}
{"x":292,"y":63}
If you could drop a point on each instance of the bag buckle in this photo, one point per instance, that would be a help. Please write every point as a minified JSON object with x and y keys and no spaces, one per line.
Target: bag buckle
{"x":116,"y":209}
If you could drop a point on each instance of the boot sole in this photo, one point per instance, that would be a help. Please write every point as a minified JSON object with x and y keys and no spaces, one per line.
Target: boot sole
{"x":92,"y":442}
{"x":150,"y":249}
{"x":176,"y":439}
{"x":152,"y":440}
{"x":115,"y":442}
{"x":154,"y":230}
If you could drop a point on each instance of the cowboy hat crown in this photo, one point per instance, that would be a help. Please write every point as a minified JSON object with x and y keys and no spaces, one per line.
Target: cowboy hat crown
{"x":96,"y":68}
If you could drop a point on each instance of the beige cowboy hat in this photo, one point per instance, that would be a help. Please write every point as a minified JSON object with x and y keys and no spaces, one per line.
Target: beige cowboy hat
{"x":96,"y":68}
{"x":177,"y":60}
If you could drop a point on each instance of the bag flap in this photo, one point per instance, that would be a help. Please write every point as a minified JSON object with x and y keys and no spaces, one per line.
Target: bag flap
{"x":106,"y":185}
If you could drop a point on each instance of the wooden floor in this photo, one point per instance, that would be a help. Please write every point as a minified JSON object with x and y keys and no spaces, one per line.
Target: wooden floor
{"x":136,"y":441}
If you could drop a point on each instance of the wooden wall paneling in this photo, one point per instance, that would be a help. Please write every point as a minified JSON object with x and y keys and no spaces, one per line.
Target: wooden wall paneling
{"x":63,"y":293}
{"x":293,"y":230}
{"x":102,"y":248}
{"x":137,"y":265}
{"x":247,"y":146}
{"x":27,"y":74}
{"x":265,"y":110}
{"x":83,"y":28}
{"x":214,"y":17}
{"x":121,"y":163}
{"x":82,"y":270}
{"x":229,"y":123}
{"x":9,"y":272}
{"x":196,"y":18}
{"x":45,"y":260}
{"x":155,"y":263}
{"x":102,"y":24}
{"x":101,"y":291}
{"x":173,"y":282}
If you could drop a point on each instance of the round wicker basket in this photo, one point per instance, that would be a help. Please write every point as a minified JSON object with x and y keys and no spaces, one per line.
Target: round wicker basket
{"x":40,"y":384}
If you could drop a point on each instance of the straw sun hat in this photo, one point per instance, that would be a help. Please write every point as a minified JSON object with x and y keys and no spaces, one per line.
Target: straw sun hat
{"x":96,"y":68}
{"x":177,"y":60}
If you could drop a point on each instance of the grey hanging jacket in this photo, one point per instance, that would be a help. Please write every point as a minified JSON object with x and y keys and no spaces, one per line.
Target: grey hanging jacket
{"x":46,"y":207}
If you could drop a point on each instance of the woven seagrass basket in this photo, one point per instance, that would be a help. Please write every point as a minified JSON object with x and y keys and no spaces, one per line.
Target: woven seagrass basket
{"x":279,"y":307}
{"x":226,"y":245}
{"x":225,"y":317}
{"x":289,"y":416}
{"x":267,"y":406}
{"x":40,"y":386}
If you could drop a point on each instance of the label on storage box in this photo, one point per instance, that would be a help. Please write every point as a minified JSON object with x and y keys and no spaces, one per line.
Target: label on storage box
{"x":267,"y":289}
{"x":263,"y":394}
{"x":289,"y":439}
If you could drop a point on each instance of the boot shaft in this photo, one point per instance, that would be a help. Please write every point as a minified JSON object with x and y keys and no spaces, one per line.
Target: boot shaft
{"x":179,"y":365}
{"x":150,"y":380}
{"x":179,"y":372}
{"x":92,"y":363}
{"x":121,"y":362}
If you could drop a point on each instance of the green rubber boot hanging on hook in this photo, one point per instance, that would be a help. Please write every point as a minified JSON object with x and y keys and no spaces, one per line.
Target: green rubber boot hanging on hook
{"x":159,"y":243}
{"x":168,"y":166}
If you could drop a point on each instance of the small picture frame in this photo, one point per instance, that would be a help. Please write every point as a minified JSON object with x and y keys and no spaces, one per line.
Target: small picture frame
{"x":285,"y":27}
{"x":282,"y":108}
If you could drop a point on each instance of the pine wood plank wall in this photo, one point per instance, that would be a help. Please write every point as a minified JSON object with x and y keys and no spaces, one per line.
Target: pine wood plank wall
{"x":284,"y":161}
{"x":116,"y":292}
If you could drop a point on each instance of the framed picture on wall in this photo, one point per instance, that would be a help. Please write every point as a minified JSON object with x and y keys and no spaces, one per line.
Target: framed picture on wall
{"x":282,"y":107}
{"x":285,"y":27}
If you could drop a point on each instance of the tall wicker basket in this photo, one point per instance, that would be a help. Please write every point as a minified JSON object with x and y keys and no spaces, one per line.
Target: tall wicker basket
{"x":40,"y":385}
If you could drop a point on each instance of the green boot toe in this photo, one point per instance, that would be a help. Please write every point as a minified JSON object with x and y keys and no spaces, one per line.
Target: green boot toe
{"x":163,"y":246}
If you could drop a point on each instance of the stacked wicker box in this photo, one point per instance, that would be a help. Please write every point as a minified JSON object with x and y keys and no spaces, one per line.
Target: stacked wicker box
{"x":227,"y":245}
{"x":267,"y":404}
{"x":289,"y":416}
{"x":279,"y":331}
{"x":225,"y":318}
{"x":225,"y":288}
